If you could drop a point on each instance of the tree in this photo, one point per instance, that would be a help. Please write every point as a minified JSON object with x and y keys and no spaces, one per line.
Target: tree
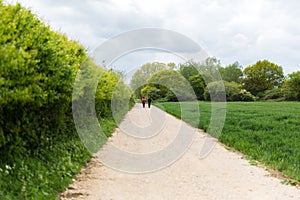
{"x":292,"y":86}
{"x":232,"y":73}
{"x":262,"y":76}
{"x":170,"y":85}
{"x":210,"y":69}
{"x":151,"y":91}
{"x":198,"y":84}
{"x":141,"y":76}
{"x":188,"y":69}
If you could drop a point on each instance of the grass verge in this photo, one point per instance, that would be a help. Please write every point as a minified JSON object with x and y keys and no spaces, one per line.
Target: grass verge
{"x":46,"y":172}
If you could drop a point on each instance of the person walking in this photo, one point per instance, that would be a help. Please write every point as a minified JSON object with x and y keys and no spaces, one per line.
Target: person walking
{"x":143,"y":101}
{"x":149,"y":101}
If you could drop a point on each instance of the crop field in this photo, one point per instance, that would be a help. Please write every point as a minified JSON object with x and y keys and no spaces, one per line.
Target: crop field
{"x":268,"y":132}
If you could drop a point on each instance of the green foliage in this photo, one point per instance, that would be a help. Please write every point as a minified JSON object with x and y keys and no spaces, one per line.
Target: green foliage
{"x":38,"y":67}
{"x":141,"y":76}
{"x":292,"y":86}
{"x":114,"y":91}
{"x":40,"y":151}
{"x":243,"y":95}
{"x":105,"y":89}
{"x":210,"y":70}
{"x":232,"y":73}
{"x":198,"y":84}
{"x":43,"y":173}
{"x":275,"y":94}
{"x":170,"y":85}
{"x":265,"y":131}
{"x":188,"y":69}
{"x":215,"y":91}
{"x":232,"y":90}
{"x":151,"y":91}
{"x":200,"y":74}
{"x":262,"y":76}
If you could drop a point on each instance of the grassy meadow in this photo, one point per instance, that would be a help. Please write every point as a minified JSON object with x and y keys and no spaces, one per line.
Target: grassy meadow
{"x":265,"y":131}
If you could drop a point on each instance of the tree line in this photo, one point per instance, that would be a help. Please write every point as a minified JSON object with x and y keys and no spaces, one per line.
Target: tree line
{"x":263,"y":80}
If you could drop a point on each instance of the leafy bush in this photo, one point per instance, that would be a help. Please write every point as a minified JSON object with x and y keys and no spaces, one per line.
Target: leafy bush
{"x":102,"y":90}
{"x":216,"y":90}
{"x":38,"y":67}
{"x":232,"y":91}
{"x":243,"y":95}
{"x":40,"y":151}
{"x":274,"y":94}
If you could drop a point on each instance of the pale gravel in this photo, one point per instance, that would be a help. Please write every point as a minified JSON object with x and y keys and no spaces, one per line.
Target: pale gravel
{"x":223,"y":174}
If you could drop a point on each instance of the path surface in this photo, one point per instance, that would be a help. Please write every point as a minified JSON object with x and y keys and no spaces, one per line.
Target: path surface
{"x":221,"y":175}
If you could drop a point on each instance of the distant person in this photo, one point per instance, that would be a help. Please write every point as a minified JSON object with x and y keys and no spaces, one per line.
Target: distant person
{"x":143,"y":101}
{"x":149,"y":101}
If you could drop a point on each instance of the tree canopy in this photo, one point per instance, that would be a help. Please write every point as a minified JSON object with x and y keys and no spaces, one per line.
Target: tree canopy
{"x":232,"y":73}
{"x":170,"y":85}
{"x":141,"y":76}
{"x":263,"y":80}
{"x":262,"y":76}
{"x":292,"y":86}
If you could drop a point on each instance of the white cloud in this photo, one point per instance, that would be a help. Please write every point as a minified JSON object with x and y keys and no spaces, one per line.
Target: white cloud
{"x":243,"y":31}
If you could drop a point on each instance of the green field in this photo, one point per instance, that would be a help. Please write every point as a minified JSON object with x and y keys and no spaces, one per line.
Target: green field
{"x":265,"y":131}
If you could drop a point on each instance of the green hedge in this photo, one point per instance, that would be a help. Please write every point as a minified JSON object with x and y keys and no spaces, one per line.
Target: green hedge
{"x":37,"y":70}
{"x":40,"y":151}
{"x":37,"y":73}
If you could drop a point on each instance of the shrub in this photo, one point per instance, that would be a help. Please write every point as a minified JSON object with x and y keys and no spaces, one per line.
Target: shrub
{"x":40,"y":151}
{"x":273,"y":94}
{"x":243,"y":95}
{"x":216,"y":90}
{"x":231,"y":90}
{"x":38,"y":67}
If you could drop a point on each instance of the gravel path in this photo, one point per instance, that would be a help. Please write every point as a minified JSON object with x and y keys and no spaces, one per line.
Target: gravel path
{"x":221,"y":175}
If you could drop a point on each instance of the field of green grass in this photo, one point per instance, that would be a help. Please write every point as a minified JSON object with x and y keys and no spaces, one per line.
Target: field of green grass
{"x":265,"y":131}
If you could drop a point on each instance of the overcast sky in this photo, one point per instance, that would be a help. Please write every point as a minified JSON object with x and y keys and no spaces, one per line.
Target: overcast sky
{"x":231,"y":30}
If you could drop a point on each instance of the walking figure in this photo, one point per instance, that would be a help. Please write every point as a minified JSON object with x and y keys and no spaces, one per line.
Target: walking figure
{"x":149,"y":101}
{"x":143,"y":101}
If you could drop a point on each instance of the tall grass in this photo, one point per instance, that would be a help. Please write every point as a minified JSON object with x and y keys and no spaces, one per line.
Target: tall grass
{"x":44,"y":173}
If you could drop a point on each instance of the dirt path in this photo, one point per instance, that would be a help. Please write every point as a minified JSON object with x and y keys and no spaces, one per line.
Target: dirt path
{"x":221,"y":175}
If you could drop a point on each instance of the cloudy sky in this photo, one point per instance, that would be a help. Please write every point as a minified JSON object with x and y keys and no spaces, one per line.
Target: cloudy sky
{"x":231,"y":30}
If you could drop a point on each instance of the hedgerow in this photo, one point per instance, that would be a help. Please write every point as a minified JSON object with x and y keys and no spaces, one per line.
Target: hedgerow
{"x":38,"y":67}
{"x":40,"y":151}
